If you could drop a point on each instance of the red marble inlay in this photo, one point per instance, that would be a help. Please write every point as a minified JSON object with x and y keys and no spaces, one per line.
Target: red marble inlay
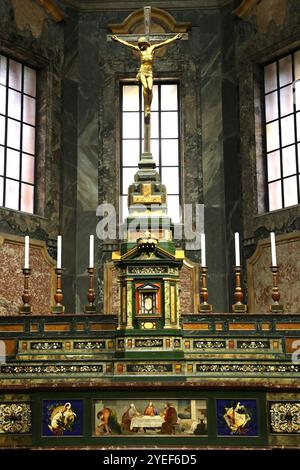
{"x":12,"y":279}
{"x":289,"y":268}
{"x":114,"y":292}
{"x":186,"y":289}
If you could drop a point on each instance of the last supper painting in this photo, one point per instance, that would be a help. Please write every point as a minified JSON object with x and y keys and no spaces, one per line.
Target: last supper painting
{"x":143,"y":417}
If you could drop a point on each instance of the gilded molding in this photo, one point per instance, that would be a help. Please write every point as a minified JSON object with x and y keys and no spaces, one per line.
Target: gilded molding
{"x":165,"y":19}
{"x":179,"y":254}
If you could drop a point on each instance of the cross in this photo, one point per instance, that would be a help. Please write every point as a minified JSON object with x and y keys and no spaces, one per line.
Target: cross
{"x":146,"y":53}
{"x":147,"y":25}
{"x":147,"y":21}
{"x":147,"y":197}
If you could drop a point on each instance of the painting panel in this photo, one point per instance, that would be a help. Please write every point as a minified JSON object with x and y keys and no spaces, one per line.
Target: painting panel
{"x":62,"y":418}
{"x":142,"y":417}
{"x":236,"y":417}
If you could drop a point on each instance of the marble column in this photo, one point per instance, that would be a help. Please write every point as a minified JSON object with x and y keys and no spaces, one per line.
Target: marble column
{"x":177,"y":304}
{"x":213,"y":160}
{"x":166,"y":305}
{"x":88,"y":148}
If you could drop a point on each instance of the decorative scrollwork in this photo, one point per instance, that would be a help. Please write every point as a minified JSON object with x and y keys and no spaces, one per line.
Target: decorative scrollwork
{"x":149,"y":368}
{"x":149,"y":343}
{"x":89,"y":345}
{"x":209,"y":344}
{"x":253,"y":344}
{"x":50,"y":369}
{"x":46,"y":345}
{"x":15,"y":418}
{"x":147,"y":269}
{"x":285,"y":417}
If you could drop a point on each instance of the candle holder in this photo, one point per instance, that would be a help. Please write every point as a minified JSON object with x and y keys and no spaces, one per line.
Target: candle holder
{"x":238,"y":307}
{"x":90,"y":307}
{"x":58,"y":308}
{"x":275,"y":307}
{"x":204,"y":307}
{"x":26,"y":308}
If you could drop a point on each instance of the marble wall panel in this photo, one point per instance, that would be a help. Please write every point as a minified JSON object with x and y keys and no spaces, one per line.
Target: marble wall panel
{"x":260,"y":276}
{"x":189,"y":287}
{"x":70,"y":155}
{"x":269,"y":31}
{"x":32,"y":37}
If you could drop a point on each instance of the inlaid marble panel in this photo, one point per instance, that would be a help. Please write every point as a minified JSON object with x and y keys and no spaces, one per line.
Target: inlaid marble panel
{"x":260,"y":276}
{"x":41,"y":281}
{"x":15,"y":418}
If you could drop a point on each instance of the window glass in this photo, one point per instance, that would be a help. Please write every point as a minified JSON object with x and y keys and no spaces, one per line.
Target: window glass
{"x":282,"y":129}
{"x":17,"y":134}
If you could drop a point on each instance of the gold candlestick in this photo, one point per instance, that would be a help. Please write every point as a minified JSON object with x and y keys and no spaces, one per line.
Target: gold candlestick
{"x":26,"y":308}
{"x":90,"y":307}
{"x":238,"y":307}
{"x":275,"y":307}
{"x":58,"y":308}
{"x":204,"y":307}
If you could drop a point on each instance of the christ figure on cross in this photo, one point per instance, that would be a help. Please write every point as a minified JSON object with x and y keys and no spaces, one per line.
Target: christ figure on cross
{"x":145,"y":75}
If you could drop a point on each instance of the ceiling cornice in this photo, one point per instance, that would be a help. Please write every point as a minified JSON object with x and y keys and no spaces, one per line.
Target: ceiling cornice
{"x":102,"y":5}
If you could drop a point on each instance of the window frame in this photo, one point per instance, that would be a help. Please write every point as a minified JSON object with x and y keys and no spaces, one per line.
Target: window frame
{"x":5,"y":146}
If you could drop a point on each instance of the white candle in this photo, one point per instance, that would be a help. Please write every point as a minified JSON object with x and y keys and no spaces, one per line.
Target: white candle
{"x":203,"y":256}
{"x":273,"y":249}
{"x":58,"y":263}
{"x":237,"y":249}
{"x":91,"y":263}
{"x":26,"y":261}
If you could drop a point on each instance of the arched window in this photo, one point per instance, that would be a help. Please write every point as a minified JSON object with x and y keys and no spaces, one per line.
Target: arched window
{"x":282,"y":126}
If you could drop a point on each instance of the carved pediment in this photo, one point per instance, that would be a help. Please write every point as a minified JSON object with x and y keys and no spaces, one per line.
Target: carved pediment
{"x":158,"y":254}
{"x":161,"y":21}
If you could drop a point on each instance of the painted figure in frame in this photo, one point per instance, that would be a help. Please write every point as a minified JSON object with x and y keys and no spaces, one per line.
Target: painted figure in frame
{"x":62,"y":419}
{"x":170,"y":419}
{"x":108,"y":422}
{"x":150,"y":410}
{"x":236,"y":418}
{"x":127,"y":417}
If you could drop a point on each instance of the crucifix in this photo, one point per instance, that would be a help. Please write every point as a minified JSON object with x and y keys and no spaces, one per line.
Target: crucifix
{"x":144,"y":76}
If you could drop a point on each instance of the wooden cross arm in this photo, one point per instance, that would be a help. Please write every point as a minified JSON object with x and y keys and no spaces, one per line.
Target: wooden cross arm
{"x":153,"y":37}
